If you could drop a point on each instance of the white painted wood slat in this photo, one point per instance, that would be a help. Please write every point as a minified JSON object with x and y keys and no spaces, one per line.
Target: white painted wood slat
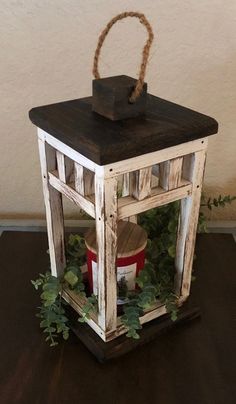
{"x":71,"y":194}
{"x":188,"y":221}
{"x":149,"y":159}
{"x":78,"y":303}
{"x":106,"y":233}
{"x":126,"y":185}
{"x":88,"y":182}
{"x":170,"y":173}
{"x":128,"y":206}
{"x":54,"y":210}
{"x":79,"y":178}
{"x":142,"y":186}
{"x":61,"y":168}
{"x":67,"y":151}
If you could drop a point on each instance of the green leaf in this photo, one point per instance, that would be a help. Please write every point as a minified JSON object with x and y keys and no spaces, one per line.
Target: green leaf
{"x":82,"y":319}
{"x":49,"y":296}
{"x":54,"y":343}
{"x":71,"y":278}
{"x":171,"y":251}
{"x":174,"y":315}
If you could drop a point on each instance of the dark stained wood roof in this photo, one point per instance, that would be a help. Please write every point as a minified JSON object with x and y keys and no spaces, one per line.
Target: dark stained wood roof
{"x":104,"y":141}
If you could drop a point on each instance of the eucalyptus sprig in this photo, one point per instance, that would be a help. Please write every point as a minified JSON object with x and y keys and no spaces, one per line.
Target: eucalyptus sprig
{"x":218,"y":202}
{"x":211,"y":203}
{"x":51,"y":312}
{"x":155,"y":281}
{"x":88,"y":308}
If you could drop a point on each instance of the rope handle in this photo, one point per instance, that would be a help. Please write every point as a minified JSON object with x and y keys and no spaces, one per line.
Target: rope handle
{"x":145,"y":53}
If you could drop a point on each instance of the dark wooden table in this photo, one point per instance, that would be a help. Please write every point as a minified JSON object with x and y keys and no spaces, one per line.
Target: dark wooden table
{"x":192,"y":364}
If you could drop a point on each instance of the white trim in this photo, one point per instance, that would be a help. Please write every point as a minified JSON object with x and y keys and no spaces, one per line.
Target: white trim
{"x":71,"y":194}
{"x":150,"y":159}
{"x":68,"y":151}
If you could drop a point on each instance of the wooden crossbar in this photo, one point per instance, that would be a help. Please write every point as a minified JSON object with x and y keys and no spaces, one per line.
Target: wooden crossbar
{"x":77,"y":302}
{"x":71,"y":194}
{"x":128,"y":206}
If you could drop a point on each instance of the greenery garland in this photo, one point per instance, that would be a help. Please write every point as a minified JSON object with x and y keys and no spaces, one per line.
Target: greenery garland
{"x":156,"y":280}
{"x":51,"y":312}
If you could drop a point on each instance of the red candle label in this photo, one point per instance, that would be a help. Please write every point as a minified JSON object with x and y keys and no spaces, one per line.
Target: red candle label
{"x":128,"y":272}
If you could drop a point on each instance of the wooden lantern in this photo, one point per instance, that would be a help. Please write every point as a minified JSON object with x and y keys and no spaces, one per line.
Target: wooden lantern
{"x":83,"y":154}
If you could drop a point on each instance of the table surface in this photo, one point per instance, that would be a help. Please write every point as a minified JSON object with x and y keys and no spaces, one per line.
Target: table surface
{"x":104,"y":141}
{"x":191,"y":364}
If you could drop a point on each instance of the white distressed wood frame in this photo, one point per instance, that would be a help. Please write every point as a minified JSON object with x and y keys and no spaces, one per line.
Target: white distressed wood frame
{"x":84,"y":180}
{"x":127,"y":189}
{"x":150,"y":159}
{"x":54,"y":210}
{"x":142,"y":183}
{"x":79,"y":178}
{"x":170,"y":173}
{"x":193,"y":170}
{"x":178,"y":183}
{"x":77,"y":302}
{"x":67,"y":151}
{"x":126,"y":185}
{"x":125,"y":166}
{"x":106,"y":233}
{"x":71,"y":194}
{"x":61,"y":167}
{"x":128,"y":205}
{"x":88,"y":182}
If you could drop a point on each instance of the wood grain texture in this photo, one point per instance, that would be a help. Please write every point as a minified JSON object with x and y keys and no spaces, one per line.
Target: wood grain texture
{"x":149,"y":159}
{"x":129,"y":206}
{"x":111,"y":98}
{"x":77,"y":303}
{"x":69,"y":170}
{"x":103,"y":141}
{"x":125,"y":184}
{"x":131,"y":239}
{"x":79,"y":178}
{"x":54,"y":210}
{"x":106,"y":235}
{"x":188,"y":221}
{"x":170,"y":173}
{"x":71,"y":194}
{"x":142,"y":187}
{"x":88,"y":182}
{"x":61,"y":168}
{"x":114,"y":348}
{"x":193,"y":363}
{"x":66,"y":150}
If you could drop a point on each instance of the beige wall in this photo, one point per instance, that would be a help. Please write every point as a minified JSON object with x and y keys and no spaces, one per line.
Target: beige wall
{"x":46,"y":55}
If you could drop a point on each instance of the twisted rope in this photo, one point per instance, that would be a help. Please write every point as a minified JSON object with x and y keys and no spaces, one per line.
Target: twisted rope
{"x":145,"y":53}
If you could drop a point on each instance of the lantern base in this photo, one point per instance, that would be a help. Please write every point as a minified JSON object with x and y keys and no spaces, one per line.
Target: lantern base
{"x":105,"y":351}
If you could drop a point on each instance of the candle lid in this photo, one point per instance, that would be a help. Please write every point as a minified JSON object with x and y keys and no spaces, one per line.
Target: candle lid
{"x":131,"y":239}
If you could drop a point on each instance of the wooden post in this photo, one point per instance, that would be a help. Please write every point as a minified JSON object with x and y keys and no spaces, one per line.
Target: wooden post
{"x":170,"y":173}
{"x":142,"y":186}
{"x":88,"y":182}
{"x":54,"y":209}
{"x":106,"y":233}
{"x":126,"y":184}
{"x":193,"y":170}
{"x":61,"y":168}
{"x":79,"y":178}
